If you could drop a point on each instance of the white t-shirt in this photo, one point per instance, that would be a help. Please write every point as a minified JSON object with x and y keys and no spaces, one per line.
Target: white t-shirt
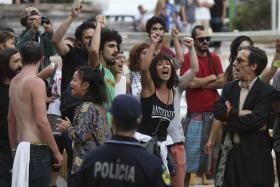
{"x":120,"y":87}
{"x":54,"y":107}
{"x":203,"y":12}
{"x":175,"y":129}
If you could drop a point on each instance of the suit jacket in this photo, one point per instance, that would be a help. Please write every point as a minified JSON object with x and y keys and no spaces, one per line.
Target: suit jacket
{"x":255,"y":145}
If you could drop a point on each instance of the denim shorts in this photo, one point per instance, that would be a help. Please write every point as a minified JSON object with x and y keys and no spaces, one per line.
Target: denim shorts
{"x":39,"y":166}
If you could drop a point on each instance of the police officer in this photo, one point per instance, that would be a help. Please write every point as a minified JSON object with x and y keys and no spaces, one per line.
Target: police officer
{"x":122,"y":161}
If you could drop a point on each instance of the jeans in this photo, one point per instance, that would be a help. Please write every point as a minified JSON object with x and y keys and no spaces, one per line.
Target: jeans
{"x":6,"y":164}
{"x":39,"y":166}
{"x":63,"y":141}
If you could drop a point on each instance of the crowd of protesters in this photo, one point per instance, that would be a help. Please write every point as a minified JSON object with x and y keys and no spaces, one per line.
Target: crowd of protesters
{"x":125,"y":129}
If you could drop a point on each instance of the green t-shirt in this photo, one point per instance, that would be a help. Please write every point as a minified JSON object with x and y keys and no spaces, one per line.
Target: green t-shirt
{"x":110,"y":87}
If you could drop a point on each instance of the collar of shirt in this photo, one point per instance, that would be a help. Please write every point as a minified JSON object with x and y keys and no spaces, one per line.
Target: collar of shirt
{"x":247,"y":85}
{"x":123,"y":140}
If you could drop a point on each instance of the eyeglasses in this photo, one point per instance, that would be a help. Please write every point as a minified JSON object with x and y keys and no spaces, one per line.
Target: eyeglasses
{"x":202,"y":39}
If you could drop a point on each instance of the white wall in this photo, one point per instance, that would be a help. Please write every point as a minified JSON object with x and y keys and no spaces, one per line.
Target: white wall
{"x":128,"y":7}
{"x":6,"y":1}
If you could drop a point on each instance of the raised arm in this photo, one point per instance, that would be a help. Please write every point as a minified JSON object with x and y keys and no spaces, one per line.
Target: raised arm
{"x":178,"y":48}
{"x":47,"y":71}
{"x":189,"y":75}
{"x":95,"y":43}
{"x":267,"y":75}
{"x":30,"y":34}
{"x":59,"y":44}
{"x":146,"y":80}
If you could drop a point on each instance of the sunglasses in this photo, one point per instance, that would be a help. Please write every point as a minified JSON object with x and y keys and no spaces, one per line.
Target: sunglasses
{"x":202,"y":39}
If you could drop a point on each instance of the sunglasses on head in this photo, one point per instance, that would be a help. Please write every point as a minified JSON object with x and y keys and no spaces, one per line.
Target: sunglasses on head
{"x":202,"y":39}
{"x":119,"y":57}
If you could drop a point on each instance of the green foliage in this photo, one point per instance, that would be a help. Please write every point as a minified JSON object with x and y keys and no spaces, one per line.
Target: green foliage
{"x":253,"y":15}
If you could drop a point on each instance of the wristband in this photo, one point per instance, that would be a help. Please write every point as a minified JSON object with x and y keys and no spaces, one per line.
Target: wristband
{"x":276,"y":64}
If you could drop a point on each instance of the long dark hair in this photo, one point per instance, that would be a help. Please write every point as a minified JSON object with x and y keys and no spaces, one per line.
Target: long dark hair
{"x":5,"y":56}
{"x":96,"y":91}
{"x":173,"y":80}
{"x":233,"y":53}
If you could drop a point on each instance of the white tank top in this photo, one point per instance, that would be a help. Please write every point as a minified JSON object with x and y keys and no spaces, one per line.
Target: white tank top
{"x":121,"y":86}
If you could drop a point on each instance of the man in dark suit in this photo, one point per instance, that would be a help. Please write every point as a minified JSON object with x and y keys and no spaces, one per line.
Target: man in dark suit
{"x":245,"y":106}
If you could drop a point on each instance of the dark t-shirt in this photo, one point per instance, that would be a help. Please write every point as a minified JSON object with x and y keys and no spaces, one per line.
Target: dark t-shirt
{"x":4,"y":106}
{"x":122,"y":161}
{"x":155,"y":113}
{"x":217,"y":9}
{"x":75,"y":58}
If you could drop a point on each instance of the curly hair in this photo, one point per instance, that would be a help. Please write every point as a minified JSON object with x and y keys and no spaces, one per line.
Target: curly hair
{"x":173,"y":80}
{"x":29,"y":11}
{"x":154,"y":20}
{"x":108,"y":35}
{"x":134,"y":56}
{"x":81,"y":28}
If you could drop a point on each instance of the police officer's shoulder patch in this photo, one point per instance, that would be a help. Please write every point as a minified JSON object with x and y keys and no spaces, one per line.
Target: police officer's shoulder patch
{"x":166,"y":177}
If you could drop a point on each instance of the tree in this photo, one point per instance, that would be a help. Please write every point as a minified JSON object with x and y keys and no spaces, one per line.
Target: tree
{"x":253,"y":15}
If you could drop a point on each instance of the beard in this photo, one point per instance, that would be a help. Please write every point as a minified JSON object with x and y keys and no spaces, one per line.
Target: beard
{"x":12,"y":73}
{"x":203,"y":48}
{"x":110,"y":62}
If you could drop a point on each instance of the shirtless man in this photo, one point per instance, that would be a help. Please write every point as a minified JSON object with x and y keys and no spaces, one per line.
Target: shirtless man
{"x":27,"y":118}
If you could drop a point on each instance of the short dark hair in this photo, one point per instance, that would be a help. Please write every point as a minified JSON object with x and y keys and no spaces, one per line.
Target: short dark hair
{"x":154,"y":20}
{"x":31,"y":52}
{"x":96,"y":92}
{"x":5,"y":56}
{"x":197,"y":27}
{"x":81,"y":28}
{"x":108,"y":35}
{"x":4,"y":36}
{"x":256,"y":56}
{"x":173,"y":80}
